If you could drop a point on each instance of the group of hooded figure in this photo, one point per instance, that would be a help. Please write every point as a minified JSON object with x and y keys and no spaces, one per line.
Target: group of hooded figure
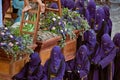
{"x":93,"y":61}
{"x":97,"y":57}
{"x":53,"y":69}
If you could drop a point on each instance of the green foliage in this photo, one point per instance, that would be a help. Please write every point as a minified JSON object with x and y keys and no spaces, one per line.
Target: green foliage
{"x":64,"y":25}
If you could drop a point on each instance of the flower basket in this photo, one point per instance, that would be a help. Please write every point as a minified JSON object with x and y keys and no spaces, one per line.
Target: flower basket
{"x":44,"y":47}
{"x":69,"y":49}
{"x":8,"y":66}
{"x":4,"y":56}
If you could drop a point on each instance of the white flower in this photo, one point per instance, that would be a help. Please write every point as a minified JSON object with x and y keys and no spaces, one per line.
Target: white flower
{"x":59,"y":23}
{"x":53,"y":28}
{"x":75,"y":12}
{"x":54,"y":19}
{"x":2,"y":43}
{"x":64,"y":22}
{"x":11,"y":36}
{"x":58,"y":17}
{"x":2,"y":33}
{"x":61,"y":30}
{"x":17,"y":43}
{"x":10,"y":44}
{"x":6,"y":28}
{"x":65,"y":29}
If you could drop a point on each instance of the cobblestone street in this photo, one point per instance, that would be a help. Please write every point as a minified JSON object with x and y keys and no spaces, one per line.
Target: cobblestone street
{"x":115,"y":17}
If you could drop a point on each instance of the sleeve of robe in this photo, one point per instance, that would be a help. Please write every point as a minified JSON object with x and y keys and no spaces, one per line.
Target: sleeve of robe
{"x":46,"y":68}
{"x":87,"y":16}
{"x":38,"y":76}
{"x":69,"y":65}
{"x":97,"y":57}
{"x":105,"y":61}
{"x":85,"y":68}
{"x":61,"y":72}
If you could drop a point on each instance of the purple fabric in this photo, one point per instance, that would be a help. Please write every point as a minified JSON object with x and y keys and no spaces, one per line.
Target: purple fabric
{"x":92,"y":11}
{"x":100,"y":25}
{"x":34,"y":59}
{"x":116,"y":39}
{"x":87,"y":15}
{"x":107,"y":18}
{"x":54,"y":5}
{"x":107,"y":13}
{"x":99,"y":18}
{"x":82,"y":63}
{"x":79,"y":5}
{"x":104,"y":56}
{"x":105,"y":50}
{"x":107,"y":43}
{"x":63,"y":3}
{"x":90,"y":40}
{"x":69,"y":70}
{"x":56,"y":57}
{"x":56,"y":64}
{"x":70,"y":4}
{"x":28,"y":72}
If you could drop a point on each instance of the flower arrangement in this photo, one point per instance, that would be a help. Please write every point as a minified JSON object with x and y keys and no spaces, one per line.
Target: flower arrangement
{"x":66,"y":24}
{"x":13,"y":45}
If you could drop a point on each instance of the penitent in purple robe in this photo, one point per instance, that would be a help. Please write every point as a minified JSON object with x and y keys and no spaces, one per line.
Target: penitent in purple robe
{"x":92,"y":45}
{"x":33,"y":70}
{"x":104,"y":56}
{"x":100,"y":24}
{"x":90,"y":42}
{"x":69,"y":74}
{"x":79,"y":67}
{"x":91,"y":7}
{"x":116,"y":40}
{"x":107,"y":18}
{"x":99,"y":19}
{"x":80,"y":8}
{"x":55,"y":66}
{"x":70,"y":4}
{"x":82,"y":64}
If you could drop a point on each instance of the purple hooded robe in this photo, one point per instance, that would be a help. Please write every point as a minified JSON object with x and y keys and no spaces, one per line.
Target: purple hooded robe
{"x":79,"y":67}
{"x":100,"y":24}
{"x":33,"y":70}
{"x":55,"y":66}
{"x":82,"y":64}
{"x":104,"y":56}
{"x":92,"y":45}
{"x":80,"y":8}
{"x":69,"y":70}
{"x":91,"y":7}
{"x":107,"y":18}
{"x":116,"y":40}
{"x":70,"y":4}
{"x":90,"y":41}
